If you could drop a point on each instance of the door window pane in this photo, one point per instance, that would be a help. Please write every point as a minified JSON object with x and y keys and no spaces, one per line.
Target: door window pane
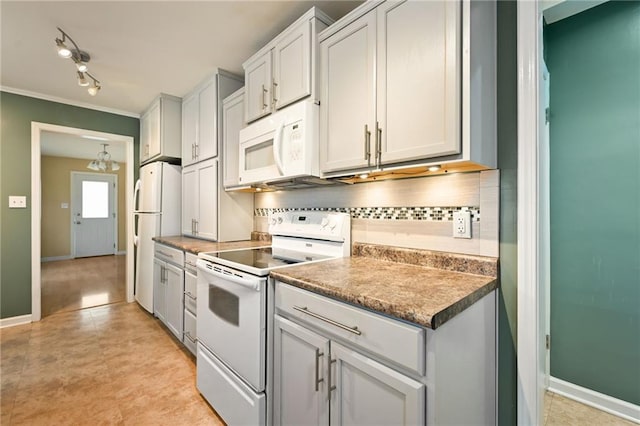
{"x":95,"y":199}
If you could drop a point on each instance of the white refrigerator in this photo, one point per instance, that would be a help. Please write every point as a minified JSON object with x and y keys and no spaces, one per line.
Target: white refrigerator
{"x":157,"y":199}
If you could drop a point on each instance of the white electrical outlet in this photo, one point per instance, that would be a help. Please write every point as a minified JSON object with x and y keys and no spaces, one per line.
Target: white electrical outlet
{"x":17,"y":202}
{"x":462,"y":224}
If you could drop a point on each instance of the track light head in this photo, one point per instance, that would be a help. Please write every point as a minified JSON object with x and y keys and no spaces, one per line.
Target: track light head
{"x":93,"y":90}
{"x":82,"y":81}
{"x":63,"y":50}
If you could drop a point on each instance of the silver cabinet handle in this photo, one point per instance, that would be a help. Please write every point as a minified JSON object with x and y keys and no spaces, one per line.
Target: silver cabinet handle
{"x":193,"y":340}
{"x":196,"y":222}
{"x":193,"y":151}
{"x":273,"y":93}
{"x":264,"y":92}
{"x":318,"y":379}
{"x":330,"y":386}
{"x":164,"y":253}
{"x":378,"y":143}
{"x":367,"y":144}
{"x":304,"y":310}
{"x":190,"y":296}
{"x":197,"y":150}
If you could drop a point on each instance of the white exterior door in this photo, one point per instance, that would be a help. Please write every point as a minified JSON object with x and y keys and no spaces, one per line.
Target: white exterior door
{"x":94,"y":214}
{"x":300,"y":379}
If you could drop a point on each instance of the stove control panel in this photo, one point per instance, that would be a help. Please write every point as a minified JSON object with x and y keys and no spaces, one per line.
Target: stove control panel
{"x":322,"y":225}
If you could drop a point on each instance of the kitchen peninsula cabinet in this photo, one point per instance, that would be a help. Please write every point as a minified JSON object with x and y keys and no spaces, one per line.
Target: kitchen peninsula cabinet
{"x":201,"y":116}
{"x":283,"y":71}
{"x":160,"y":127}
{"x":406,"y":83}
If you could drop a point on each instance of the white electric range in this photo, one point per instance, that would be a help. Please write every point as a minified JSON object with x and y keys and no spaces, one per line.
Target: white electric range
{"x":235,"y":309}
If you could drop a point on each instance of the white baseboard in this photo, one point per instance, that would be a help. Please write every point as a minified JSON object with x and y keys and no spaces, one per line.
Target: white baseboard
{"x":121,"y":252}
{"x":603,"y":402}
{"x":55,"y":258}
{"x":12,"y":321}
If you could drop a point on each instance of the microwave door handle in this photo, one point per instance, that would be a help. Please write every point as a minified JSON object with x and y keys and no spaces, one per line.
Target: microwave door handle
{"x":277,"y":147}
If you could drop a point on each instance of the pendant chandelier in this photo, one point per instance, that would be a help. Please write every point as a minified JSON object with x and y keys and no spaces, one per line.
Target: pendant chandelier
{"x":103,"y":161}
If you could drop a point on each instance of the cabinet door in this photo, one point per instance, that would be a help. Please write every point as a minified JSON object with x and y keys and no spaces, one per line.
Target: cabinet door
{"x":189,"y":199}
{"x":232,"y":123}
{"x":189,"y":129}
{"x":347,"y":106}
{"x":207,"y":122}
{"x":418,"y":80}
{"x":144,"y":138}
{"x":174,"y":299}
{"x":300,"y":385}
{"x":159,"y":290}
{"x":207,"y":218}
{"x":257,"y":96}
{"x":153,"y":117}
{"x":368,"y":392}
{"x":292,"y":66}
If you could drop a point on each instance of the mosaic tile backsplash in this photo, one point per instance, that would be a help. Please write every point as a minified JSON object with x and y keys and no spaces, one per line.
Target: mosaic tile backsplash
{"x":386,"y":213}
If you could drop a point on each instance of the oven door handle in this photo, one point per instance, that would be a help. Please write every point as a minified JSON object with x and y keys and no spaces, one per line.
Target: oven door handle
{"x":252,"y":283}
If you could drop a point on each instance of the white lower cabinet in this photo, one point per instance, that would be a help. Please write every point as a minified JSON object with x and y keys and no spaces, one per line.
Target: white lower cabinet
{"x":337,"y":364}
{"x":168,"y":289}
{"x":319,"y":381}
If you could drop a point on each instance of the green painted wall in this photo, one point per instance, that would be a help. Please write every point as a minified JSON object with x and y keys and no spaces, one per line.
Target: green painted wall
{"x":594,"y":62}
{"x":508,"y":165}
{"x":16,"y":114}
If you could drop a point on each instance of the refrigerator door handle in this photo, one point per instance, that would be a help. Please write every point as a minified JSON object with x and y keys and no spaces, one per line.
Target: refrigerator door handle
{"x":135,"y":228}
{"x":136,"y":194}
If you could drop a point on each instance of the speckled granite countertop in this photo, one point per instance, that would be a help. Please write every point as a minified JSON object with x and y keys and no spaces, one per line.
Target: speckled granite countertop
{"x":195,"y":246}
{"x":424,"y":287}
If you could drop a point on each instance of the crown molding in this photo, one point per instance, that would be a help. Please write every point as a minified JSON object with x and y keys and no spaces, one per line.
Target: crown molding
{"x":68,"y":101}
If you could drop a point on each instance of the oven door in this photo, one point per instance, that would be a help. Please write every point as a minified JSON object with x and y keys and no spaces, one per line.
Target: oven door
{"x":231,"y":312}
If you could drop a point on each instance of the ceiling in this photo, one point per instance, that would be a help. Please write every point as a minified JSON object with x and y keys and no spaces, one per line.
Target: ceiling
{"x":138,"y":48}
{"x":57,"y":144}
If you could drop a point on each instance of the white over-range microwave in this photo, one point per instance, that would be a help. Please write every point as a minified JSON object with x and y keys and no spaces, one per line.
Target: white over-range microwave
{"x":282,"y":149}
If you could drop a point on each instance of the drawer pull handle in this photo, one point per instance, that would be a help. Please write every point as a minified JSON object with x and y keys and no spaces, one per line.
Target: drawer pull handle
{"x":318,"y":379}
{"x":191,"y":339}
{"x":164,"y":253}
{"x":189,"y":295}
{"x":304,"y":310}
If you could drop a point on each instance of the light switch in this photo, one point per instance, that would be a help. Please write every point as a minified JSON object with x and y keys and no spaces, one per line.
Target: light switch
{"x":17,"y":202}
{"x":64,"y":205}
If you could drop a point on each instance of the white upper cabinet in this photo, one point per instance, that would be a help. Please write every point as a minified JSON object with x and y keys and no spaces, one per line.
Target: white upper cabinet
{"x":201,"y":115}
{"x":257,"y":74}
{"x":397,"y":86}
{"x":418,"y":80}
{"x":232,"y":123}
{"x":347,"y":109}
{"x":160,"y":127}
{"x":283,"y":71}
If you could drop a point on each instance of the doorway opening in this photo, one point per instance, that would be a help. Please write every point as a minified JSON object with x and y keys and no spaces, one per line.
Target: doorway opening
{"x":81,"y":231}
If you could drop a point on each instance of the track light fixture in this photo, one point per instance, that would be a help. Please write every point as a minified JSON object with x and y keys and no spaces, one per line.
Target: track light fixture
{"x":80,"y":58}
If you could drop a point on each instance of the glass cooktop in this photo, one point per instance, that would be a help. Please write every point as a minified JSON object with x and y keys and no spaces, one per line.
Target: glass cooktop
{"x":261,"y":260}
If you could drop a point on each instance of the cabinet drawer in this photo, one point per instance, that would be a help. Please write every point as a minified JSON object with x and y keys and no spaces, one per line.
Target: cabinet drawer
{"x":400,"y":343}
{"x":190,"y":291}
{"x":169,"y":254}
{"x":190,"y":331}
{"x":190,"y":263}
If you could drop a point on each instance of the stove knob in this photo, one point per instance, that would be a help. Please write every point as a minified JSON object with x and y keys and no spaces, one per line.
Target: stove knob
{"x":332,"y":224}
{"x":324,"y":222}
{"x":279,"y":220}
{"x":273,"y":220}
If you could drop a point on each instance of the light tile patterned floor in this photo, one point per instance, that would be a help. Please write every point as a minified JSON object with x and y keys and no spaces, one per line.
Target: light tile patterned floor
{"x":567,"y":412}
{"x":110,"y":365}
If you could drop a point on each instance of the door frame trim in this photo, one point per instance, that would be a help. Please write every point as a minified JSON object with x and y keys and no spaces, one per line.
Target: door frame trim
{"x":115,"y":207}
{"x":36,"y":205}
